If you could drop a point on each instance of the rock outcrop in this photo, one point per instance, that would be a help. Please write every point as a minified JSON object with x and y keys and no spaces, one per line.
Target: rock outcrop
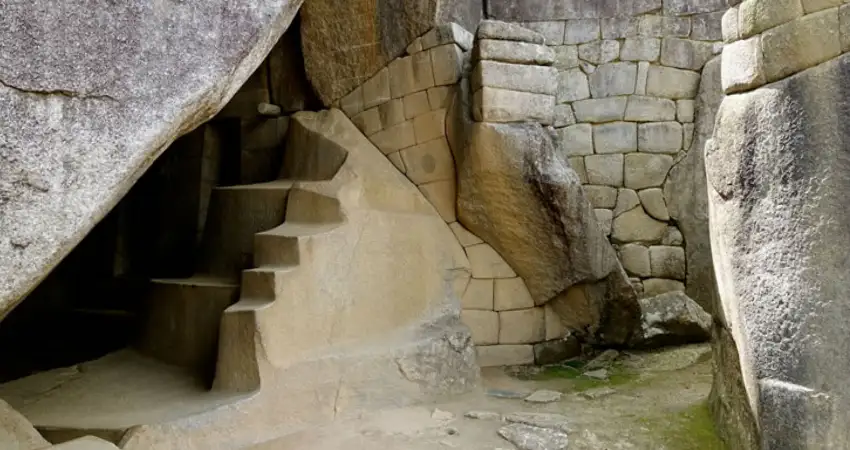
{"x":686,"y":195}
{"x":778,"y":174}
{"x":345,"y":43}
{"x":82,"y":122}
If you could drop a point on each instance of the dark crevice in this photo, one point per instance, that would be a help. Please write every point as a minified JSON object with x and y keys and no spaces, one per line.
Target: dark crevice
{"x":60,"y":92}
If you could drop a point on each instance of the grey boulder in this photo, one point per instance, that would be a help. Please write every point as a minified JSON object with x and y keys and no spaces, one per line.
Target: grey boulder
{"x":672,"y":319}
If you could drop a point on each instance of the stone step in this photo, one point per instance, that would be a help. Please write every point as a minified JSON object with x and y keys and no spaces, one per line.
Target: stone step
{"x":282,"y":245}
{"x":181,"y":320}
{"x":235,"y":214}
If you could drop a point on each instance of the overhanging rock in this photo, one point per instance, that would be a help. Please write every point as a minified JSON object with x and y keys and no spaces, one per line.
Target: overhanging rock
{"x":88,"y":99}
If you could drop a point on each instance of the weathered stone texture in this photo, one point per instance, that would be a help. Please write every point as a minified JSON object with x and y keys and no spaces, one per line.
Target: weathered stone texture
{"x":88,"y":101}
{"x":778,"y":176}
{"x":345,"y":43}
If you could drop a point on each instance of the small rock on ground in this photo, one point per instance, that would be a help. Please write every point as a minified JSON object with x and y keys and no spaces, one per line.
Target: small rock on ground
{"x":483,"y":415}
{"x":605,"y":359}
{"x":500,"y":393}
{"x":526,"y":437}
{"x":541,"y":420}
{"x":544,"y":396}
{"x":442,"y":416}
{"x":599,"y":374}
{"x":594,"y":394}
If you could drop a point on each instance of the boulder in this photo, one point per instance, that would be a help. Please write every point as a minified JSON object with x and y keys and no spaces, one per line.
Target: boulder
{"x":345,"y":43}
{"x":518,"y":193}
{"x":16,"y":432}
{"x":778,"y":177}
{"x":88,"y":101}
{"x":528,"y":437}
{"x":672,"y":319}
{"x":686,"y":195}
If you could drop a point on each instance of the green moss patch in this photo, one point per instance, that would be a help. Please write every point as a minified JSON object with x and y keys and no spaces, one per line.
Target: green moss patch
{"x":690,"y":429}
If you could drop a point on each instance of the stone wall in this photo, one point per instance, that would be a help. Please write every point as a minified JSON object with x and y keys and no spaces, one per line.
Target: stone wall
{"x":625,"y":115}
{"x":777,"y":170}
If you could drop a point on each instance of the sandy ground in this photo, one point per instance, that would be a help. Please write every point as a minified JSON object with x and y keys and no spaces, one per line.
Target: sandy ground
{"x":651,"y":401}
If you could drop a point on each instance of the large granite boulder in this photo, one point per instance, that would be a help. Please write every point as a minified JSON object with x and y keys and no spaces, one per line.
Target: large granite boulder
{"x":345,"y":43}
{"x":90,"y":97}
{"x":779,"y":171}
{"x":686,"y":196}
{"x":518,"y":193}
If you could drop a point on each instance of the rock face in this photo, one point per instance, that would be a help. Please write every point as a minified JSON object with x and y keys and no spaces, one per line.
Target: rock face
{"x":517,"y":193}
{"x":87,"y":102}
{"x":672,"y":319}
{"x":686,"y":195}
{"x":778,"y":174}
{"x":16,"y":433}
{"x":345,"y":43}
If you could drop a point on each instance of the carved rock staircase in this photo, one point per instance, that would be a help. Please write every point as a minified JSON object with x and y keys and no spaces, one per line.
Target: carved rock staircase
{"x":222,"y":318}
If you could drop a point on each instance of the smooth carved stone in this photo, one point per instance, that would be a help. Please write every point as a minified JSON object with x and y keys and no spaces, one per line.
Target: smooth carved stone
{"x":484,"y":326}
{"x":98,"y":96}
{"x":581,"y":31}
{"x":653,"y":203}
{"x":615,"y":137}
{"x":523,"y":326}
{"x":511,"y":294}
{"x":478,"y":295}
{"x":507,"y":175}
{"x":635,"y":259}
{"x":755,"y":16}
{"x":447,"y":63}
{"x":515,"y":77}
{"x":487,"y":263}
{"x":449,"y":33}
{"x":577,"y":140}
{"x":685,"y":53}
{"x":341,"y":53}
{"x":605,"y":219}
{"x":798,"y":45}
{"x":672,"y":83}
{"x":515,"y":52}
{"x":552,"y":31}
{"x":626,"y":200}
{"x":667,"y":262}
{"x":613,"y":79}
{"x":495,"y":29}
{"x":599,"y":52}
{"x":731,"y":31}
{"x":598,"y":110}
{"x":637,"y":226}
{"x":743,"y":65}
{"x":572,"y":86}
{"x":641,"y":49}
{"x":566,"y":57}
{"x":601,"y":196}
{"x":658,"y":286}
{"x":505,"y":106}
{"x":660,"y":137}
{"x":650,"y":109}
{"x":643,"y":170}
{"x":463,"y":235}
{"x":604,"y":169}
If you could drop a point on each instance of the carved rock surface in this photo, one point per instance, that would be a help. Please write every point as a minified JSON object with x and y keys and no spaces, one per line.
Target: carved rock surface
{"x":686,"y":195}
{"x":16,"y":433}
{"x":88,"y":99}
{"x":518,"y":193}
{"x":345,"y":43}
{"x":778,"y":175}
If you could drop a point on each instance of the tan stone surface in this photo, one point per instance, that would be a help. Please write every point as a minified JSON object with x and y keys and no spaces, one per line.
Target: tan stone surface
{"x":16,"y":433}
{"x":487,"y":263}
{"x":511,"y":293}
{"x":523,"y":326}
{"x":484,"y":326}
{"x":429,"y":161}
{"x":504,"y":355}
{"x":478,"y":295}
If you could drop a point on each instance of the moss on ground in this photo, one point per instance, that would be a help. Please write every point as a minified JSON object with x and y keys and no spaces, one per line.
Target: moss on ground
{"x":691,"y":429}
{"x":576,"y":382}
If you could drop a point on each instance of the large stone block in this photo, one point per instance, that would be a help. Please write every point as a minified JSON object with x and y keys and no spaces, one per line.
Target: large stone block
{"x":637,"y":226}
{"x":523,"y":326}
{"x":16,"y":432}
{"x":782,"y":287}
{"x":708,"y":26}
{"x":344,"y":44}
{"x":685,"y":53}
{"x":510,"y":294}
{"x":688,"y":7}
{"x":552,"y":31}
{"x":599,"y":52}
{"x":650,"y":109}
{"x":641,"y":49}
{"x":654,"y":204}
{"x":429,"y":161}
{"x":635,"y":258}
{"x":487,"y":263}
{"x":502,"y":105}
{"x":667,"y":262}
{"x":411,"y":74}
{"x":483,"y":325}
{"x":447,"y":64}
{"x":572,"y":86}
{"x":515,"y":77}
{"x":671,"y":83}
{"x":615,"y":137}
{"x":581,"y":31}
{"x":506,"y":31}
{"x":743,"y":65}
{"x":755,"y":16}
{"x":515,"y":52}
{"x":599,"y":110}
{"x":800,"y":44}
{"x":478,"y":295}
{"x":613,"y":79}
{"x":510,"y":179}
{"x":92,"y":96}
{"x":601,"y":196}
{"x":577,"y":140}
{"x":646,"y":170}
{"x":660,"y":137}
{"x":604,"y":169}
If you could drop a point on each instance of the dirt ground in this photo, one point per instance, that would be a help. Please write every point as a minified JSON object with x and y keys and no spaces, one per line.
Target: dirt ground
{"x":649,"y":401}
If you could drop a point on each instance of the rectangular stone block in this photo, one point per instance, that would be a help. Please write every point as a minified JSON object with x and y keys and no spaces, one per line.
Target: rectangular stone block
{"x":395,"y":137}
{"x":440,"y":96}
{"x":658,"y":286}
{"x":689,"y":7}
{"x":620,"y":27}
{"x":443,"y":195}
{"x":504,"y":355}
{"x":604,"y":169}
{"x":566,"y":57}
{"x":660,"y":137}
{"x":685,"y":111}
{"x":661,"y":26}
{"x":572,"y":86}
{"x":800,"y":44}
{"x":635,"y":259}
{"x":478,"y":295}
{"x":707,"y":27}
{"x":642,"y":74}
{"x":510,"y":294}
{"x":552,"y":31}
{"x":810,"y":6}
{"x":487,"y":263}
{"x":377,"y":89}
{"x":429,"y":126}
{"x":650,"y":109}
{"x":515,"y":77}
{"x":615,"y":137}
{"x":641,"y":49}
{"x":416,"y":104}
{"x":554,"y":328}
{"x":671,"y":83}
{"x":352,"y":103}
{"x":644,"y":170}
{"x":581,"y":30}
{"x":605,"y":219}
{"x":429,"y":161}
{"x":685,"y":53}
{"x":731,"y":31}
{"x":600,"y":196}
{"x":411,"y":74}
{"x":667,"y":262}
{"x":742,"y":66}
{"x":599,"y":110}
{"x":577,"y":140}
{"x":524,"y":326}
{"x":369,"y":121}
{"x":564,"y":116}
{"x":613,"y":79}
{"x":599,"y":52}
{"x":391,"y":113}
{"x":447,"y":62}
{"x":577,"y":163}
{"x":844,"y":27}
{"x":464,"y":236}
{"x":515,"y":52}
{"x":755,"y":16}
{"x":504,"y":106}
{"x":483,"y":325}
{"x":395,"y":158}
{"x":448,"y":33}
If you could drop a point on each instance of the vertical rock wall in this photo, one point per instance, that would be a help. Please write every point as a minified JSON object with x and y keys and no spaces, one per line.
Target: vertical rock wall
{"x":778,"y":170}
